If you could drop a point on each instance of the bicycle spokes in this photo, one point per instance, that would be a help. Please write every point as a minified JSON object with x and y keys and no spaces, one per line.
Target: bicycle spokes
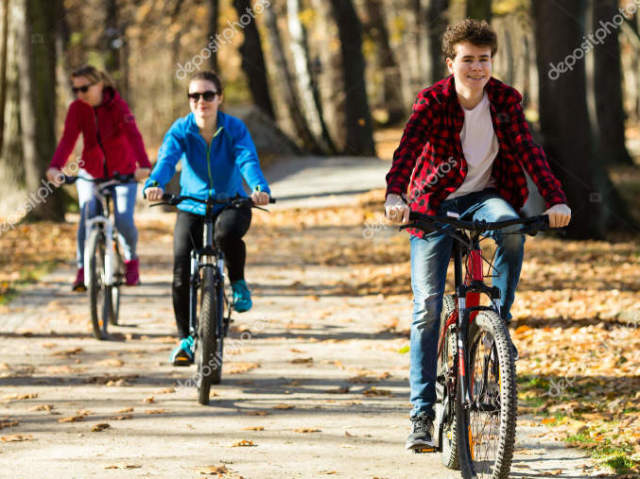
{"x":484,"y":415}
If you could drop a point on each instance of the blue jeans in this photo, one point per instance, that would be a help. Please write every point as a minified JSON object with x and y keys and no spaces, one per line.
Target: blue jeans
{"x":124,"y":203}
{"x":429,"y":261}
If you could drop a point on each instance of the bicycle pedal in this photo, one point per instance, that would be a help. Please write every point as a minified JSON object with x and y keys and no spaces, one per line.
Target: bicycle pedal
{"x":423,"y":449}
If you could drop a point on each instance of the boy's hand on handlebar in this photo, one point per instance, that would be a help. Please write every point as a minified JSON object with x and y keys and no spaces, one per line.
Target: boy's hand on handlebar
{"x":396,"y":209}
{"x":55,"y":176}
{"x":260,"y":198}
{"x":154,"y":193}
{"x":559,"y":215}
{"x":141,"y":173}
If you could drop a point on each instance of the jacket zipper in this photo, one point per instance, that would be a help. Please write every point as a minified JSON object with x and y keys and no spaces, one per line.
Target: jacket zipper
{"x":209,"y":161}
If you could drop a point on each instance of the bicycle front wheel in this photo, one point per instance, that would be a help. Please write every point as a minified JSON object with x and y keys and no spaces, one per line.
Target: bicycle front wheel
{"x":208,"y":364}
{"x":446,"y":374}
{"x":99,"y":293}
{"x":486,"y":450}
{"x":115,"y":289}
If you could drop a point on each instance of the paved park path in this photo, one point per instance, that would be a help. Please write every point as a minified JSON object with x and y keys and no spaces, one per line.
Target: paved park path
{"x":315,"y":382}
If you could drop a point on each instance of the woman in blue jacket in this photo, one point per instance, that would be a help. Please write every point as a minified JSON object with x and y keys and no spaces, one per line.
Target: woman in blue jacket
{"x":217,"y":152}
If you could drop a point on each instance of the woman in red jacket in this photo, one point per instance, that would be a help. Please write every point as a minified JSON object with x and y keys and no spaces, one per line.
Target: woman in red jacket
{"x":112,"y":143}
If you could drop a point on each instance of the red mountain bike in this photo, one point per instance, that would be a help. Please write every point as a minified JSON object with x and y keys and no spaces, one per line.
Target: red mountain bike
{"x":476,"y":398}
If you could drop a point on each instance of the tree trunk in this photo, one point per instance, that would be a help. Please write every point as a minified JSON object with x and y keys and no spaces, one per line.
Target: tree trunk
{"x":214,"y":13}
{"x":307,"y":87}
{"x":287,"y":84}
{"x":359,"y":126}
{"x":434,"y":18}
{"x":4,"y":36}
{"x":253,"y":63}
{"x":607,"y":87}
{"x":327,"y":72}
{"x":386,"y":65}
{"x":37,"y":105}
{"x":565,"y":122}
{"x":479,"y":9}
{"x":11,"y":154}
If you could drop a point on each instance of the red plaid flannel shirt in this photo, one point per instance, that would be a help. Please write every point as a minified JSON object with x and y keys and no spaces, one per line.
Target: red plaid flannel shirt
{"x":430,"y":160}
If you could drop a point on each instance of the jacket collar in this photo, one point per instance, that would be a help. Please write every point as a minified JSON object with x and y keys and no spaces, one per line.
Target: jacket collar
{"x":192,"y":126}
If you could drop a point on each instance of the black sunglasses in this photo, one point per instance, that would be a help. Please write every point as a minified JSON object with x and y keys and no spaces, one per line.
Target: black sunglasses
{"x":208,"y":95}
{"x":83,"y":88}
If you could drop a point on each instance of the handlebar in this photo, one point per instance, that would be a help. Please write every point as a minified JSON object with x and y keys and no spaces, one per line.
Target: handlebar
{"x":219,"y":199}
{"x":429,"y":223}
{"x":115,"y":179}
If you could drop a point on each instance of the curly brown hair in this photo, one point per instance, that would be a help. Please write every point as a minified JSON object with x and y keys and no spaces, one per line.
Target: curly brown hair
{"x":476,"y":32}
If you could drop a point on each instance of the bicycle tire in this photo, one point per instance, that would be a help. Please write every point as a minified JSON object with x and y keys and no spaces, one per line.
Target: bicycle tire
{"x":207,"y":336}
{"x":474,"y":461}
{"x":99,"y":294}
{"x":216,"y":376}
{"x":448,"y":441}
{"x":116,"y":289}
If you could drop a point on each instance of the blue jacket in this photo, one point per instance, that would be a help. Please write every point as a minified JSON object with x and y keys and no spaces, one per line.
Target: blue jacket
{"x":208,"y":171}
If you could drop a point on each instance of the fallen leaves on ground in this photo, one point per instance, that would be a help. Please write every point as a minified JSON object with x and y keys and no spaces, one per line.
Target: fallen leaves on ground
{"x":100,"y":427}
{"x":6,"y":422}
{"x":306,"y":430}
{"x":244,"y":443}
{"x":16,"y":438}
{"x":240,"y":368}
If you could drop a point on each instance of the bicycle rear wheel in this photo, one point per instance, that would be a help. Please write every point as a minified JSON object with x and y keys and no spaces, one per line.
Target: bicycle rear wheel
{"x":99,"y":293}
{"x":446,"y":372}
{"x":207,"y":361}
{"x":486,"y":450}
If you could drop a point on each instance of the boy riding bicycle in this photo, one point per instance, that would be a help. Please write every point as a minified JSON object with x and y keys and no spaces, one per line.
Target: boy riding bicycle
{"x":463,"y":152}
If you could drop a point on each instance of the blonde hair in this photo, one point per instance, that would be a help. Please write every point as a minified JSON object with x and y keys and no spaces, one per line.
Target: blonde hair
{"x":94,"y":75}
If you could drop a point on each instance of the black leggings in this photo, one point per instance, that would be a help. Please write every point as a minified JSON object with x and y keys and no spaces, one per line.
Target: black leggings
{"x":229,"y":227}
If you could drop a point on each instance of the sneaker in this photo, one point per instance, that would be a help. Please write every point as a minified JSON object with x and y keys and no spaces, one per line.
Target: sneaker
{"x":183,"y":354}
{"x":78,"y":285}
{"x":241,"y":296}
{"x":131,"y":274}
{"x":421,"y":437}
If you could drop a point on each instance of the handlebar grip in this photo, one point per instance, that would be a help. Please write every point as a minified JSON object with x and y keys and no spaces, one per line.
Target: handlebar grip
{"x":272,"y":200}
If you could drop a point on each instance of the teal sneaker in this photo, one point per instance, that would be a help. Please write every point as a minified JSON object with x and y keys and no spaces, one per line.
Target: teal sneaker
{"x":241,"y":296}
{"x":183,"y":354}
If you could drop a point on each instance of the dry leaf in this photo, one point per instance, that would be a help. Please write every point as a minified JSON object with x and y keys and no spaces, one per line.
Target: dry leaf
{"x":219,"y":470}
{"x":377,"y":392}
{"x":244,"y":443}
{"x":149,"y":400}
{"x":8,"y":423}
{"x":156,"y":411}
{"x":284,"y":406}
{"x":256,"y":413}
{"x":100,"y":427}
{"x":71,"y":419}
{"x":16,"y":438}
{"x":302,"y":361}
{"x":127,"y":409}
{"x":254,"y":428}
{"x":305,"y":430}
{"x":239,"y":368}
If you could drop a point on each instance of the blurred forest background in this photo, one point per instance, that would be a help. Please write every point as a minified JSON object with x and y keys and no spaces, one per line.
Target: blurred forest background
{"x":329,"y":77}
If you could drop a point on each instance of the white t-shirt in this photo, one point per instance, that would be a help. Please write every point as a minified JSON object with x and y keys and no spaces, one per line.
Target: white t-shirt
{"x":480,"y":147}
